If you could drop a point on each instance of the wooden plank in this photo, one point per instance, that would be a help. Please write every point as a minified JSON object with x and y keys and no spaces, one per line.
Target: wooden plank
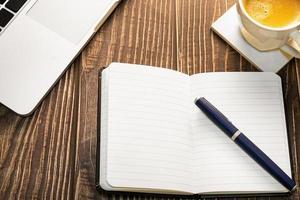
{"x":37,"y":153}
{"x":140,"y":32}
{"x":199,"y":49}
{"x":290,"y":78}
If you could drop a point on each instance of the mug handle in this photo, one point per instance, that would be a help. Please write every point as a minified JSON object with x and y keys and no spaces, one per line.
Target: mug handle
{"x":293,"y":45}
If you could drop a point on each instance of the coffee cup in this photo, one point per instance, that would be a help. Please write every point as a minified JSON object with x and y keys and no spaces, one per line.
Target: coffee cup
{"x":267,"y":38}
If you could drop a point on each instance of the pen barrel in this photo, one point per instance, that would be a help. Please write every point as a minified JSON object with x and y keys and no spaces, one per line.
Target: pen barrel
{"x":216,"y":116}
{"x":265,"y":162}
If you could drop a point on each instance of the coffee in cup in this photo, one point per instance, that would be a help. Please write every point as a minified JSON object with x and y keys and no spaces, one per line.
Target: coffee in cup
{"x":274,"y":13}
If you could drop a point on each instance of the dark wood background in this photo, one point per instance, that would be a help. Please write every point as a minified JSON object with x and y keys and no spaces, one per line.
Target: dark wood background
{"x":52,"y":154}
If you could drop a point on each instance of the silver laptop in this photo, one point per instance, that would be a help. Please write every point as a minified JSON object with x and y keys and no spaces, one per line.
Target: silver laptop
{"x":38,"y":40}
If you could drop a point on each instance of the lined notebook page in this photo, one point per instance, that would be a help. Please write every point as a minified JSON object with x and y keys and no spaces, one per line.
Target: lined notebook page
{"x":148,"y":145}
{"x":254,"y":103}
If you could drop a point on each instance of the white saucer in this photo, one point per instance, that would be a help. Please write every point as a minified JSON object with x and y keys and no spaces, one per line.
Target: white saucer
{"x":228,"y":28}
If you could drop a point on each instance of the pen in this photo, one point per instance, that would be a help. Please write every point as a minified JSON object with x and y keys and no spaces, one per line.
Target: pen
{"x":244,"y":143}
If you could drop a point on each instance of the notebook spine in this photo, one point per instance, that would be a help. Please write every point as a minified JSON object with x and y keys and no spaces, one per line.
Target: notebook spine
{"x":97,"y":173}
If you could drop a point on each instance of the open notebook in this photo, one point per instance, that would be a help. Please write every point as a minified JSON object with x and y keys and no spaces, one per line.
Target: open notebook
{"x":154,"y":139}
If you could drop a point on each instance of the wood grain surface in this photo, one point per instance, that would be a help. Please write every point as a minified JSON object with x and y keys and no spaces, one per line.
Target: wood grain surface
{"x":52,"y":154}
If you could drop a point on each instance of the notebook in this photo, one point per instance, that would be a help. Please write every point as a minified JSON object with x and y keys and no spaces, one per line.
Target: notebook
{"x":155,"y":140}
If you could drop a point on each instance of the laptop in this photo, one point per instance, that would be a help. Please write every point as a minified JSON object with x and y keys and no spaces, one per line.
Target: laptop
{"x":38,"y":40}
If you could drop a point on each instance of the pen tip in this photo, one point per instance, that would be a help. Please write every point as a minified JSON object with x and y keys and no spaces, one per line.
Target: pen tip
{"x":294,"y":189}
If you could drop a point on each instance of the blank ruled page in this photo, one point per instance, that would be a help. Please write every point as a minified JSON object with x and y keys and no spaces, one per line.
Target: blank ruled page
{"x":254,"y":103}
{"x":148,"y":142}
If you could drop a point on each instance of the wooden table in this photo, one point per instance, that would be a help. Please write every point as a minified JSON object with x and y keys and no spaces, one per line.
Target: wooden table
{"x":51,"y":154}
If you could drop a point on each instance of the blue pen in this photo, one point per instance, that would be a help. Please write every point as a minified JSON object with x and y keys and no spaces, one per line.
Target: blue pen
{"x":242,"y":141}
